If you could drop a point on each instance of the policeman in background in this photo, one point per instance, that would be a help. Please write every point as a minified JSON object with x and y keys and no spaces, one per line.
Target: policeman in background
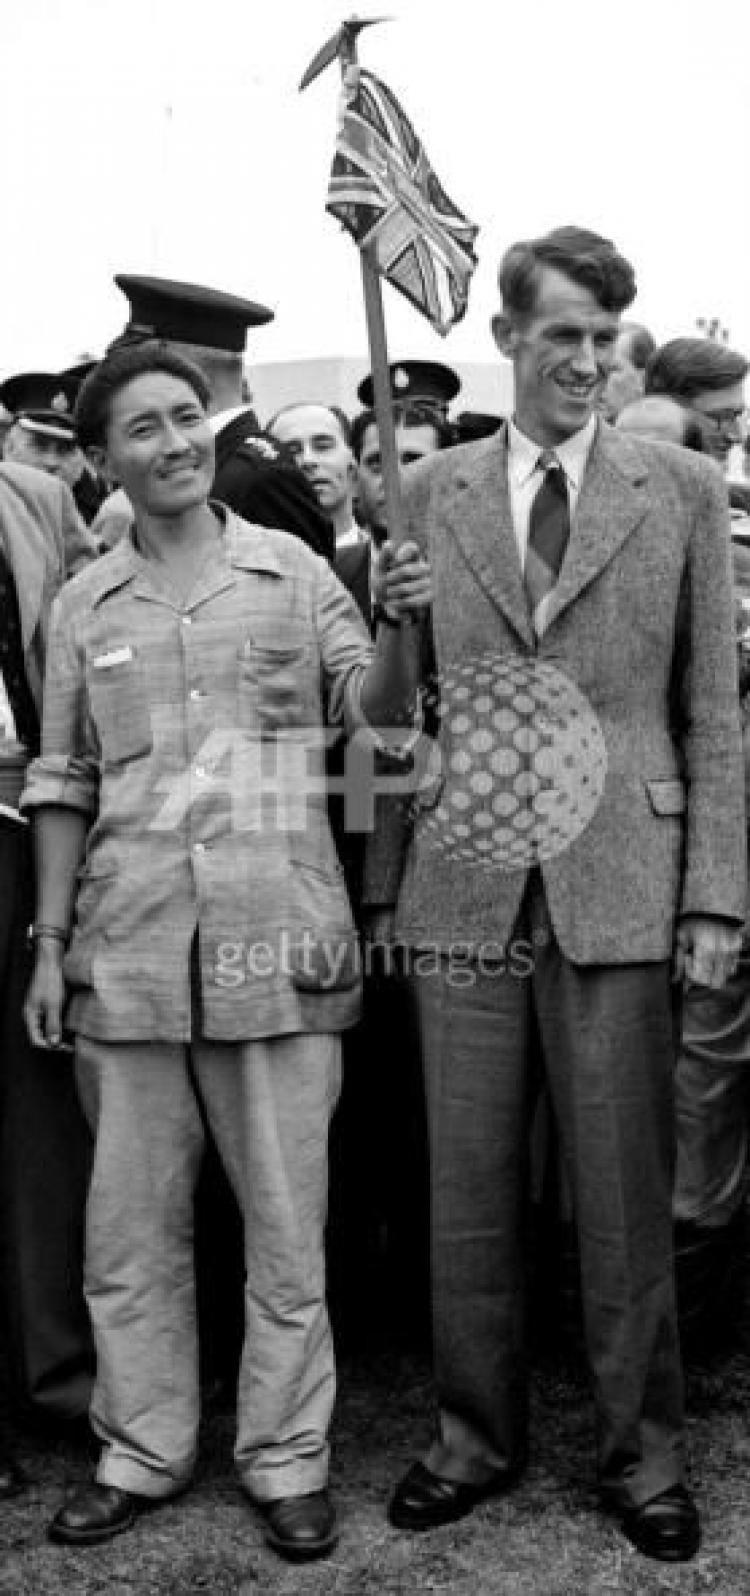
{"x":42,"y":432}
{"x":419,"y":382}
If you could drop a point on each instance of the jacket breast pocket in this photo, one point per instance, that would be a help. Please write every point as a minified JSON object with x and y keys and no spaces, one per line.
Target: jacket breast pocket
{"x":273,"y":680}
{"x":120,"y":709}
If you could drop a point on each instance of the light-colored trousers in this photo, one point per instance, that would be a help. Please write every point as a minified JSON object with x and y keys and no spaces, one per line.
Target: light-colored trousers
{"x":269,"y":1105}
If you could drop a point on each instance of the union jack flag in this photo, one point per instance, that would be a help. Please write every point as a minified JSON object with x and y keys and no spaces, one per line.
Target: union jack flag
{"x":384,"y":191}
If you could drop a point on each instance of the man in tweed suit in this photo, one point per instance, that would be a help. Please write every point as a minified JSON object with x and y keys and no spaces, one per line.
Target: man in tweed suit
{"x":587,"y":846}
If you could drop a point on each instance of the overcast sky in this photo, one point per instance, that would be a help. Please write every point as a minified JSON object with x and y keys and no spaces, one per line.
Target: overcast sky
{"x":168,"y":136}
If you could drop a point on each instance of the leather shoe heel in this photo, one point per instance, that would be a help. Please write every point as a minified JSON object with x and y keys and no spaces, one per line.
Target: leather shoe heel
{"x":94,"y":1514}
{"x":423,"y":1500}
{"x":300,"y":1528}
{"x":667,"y":1527}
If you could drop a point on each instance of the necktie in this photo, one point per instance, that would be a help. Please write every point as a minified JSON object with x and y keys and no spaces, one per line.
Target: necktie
{"x":549,"y":531}
{"x":11,"y":661}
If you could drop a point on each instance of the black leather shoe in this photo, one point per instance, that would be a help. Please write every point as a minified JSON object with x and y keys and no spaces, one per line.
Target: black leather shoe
{"x":12,"y":1481}
{"x":94,"y":1514}
{"x":300,"y":1527}
{"x":423,"y":1500}
{"x":667,"y":1527}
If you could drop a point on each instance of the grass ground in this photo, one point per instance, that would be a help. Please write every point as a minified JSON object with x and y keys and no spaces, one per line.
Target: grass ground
{"x":547,"y":1539}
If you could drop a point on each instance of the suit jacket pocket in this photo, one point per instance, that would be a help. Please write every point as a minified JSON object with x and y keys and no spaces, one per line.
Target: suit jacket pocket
{"x":667,"y":795}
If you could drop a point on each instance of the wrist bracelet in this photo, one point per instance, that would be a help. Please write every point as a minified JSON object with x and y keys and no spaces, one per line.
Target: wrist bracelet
{"x":38,"y":931}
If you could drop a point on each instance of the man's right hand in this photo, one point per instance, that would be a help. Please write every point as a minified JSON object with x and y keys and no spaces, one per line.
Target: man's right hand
{"x":45,"y":998}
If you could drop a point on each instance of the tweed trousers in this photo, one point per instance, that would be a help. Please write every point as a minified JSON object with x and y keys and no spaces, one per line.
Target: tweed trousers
{"x":268,"y":1104}
{"x":605,"y":1037}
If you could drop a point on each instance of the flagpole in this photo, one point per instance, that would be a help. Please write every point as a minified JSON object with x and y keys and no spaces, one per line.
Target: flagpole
{"x":381,"y":386}
{"x":381,"y":383}
{"x":344,"y":46}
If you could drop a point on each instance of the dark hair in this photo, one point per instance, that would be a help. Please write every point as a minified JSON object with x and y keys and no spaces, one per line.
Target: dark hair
{"x":406,"y":413}
{"x":316,"y":404}
{"x":685,"y":367}
{"x":584,"y":257}
{"x":641,"y":343}
{"x":120,"y":366}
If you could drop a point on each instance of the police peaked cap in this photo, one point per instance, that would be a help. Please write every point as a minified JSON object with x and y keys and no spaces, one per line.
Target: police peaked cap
{"x":425,"y":382}
{"x":188,"y":313}
{"x":40,"y":402}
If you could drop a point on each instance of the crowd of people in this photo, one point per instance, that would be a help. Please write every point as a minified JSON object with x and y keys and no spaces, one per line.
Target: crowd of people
{"x":367,"y":889}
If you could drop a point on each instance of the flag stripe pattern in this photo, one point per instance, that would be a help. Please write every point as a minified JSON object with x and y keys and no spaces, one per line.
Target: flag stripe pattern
{"x":384,"y":191}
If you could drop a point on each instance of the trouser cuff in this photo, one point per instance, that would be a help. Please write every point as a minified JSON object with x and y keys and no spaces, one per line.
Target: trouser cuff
{"x":128,"y":1475}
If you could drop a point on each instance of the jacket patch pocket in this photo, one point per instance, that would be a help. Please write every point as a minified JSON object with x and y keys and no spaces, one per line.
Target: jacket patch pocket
{"x":323,"y":945}
{"x":119,"y":706}
{"x":667,"y":796}
{"x":273,"y":672}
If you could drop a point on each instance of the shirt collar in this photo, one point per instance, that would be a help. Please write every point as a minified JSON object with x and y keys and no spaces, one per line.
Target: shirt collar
{"x":354,"y":534}
{"x":573,"y":452}
{"x":241,"y":544}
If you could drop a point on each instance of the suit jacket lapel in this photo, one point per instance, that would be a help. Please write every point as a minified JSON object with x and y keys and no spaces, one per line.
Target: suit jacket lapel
{"x":611,"y":504}
{"x":479,"y":515}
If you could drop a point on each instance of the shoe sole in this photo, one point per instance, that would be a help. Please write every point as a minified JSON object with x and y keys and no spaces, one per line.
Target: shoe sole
{"x":403,"y":1520}
{"x":301,"y":1554}
{"x":684,"y":1554}
{"x":64,"y":1537}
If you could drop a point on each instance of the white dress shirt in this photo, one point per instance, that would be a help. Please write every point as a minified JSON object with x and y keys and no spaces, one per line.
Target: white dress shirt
{"x":525,"y":477}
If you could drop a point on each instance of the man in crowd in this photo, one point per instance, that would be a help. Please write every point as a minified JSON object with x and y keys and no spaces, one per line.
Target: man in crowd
{"x":585,"y":849}
{"x":419,"y":430}
{"x":633,"y":350}
{"x":42,"y":433}
{"x":318,"y":439}
{"x":706,"y":377}
{"x":44,"y":1147}
{"x":711,"y":1081}
{"x":211,"y":961}
{"x":657,"y":416}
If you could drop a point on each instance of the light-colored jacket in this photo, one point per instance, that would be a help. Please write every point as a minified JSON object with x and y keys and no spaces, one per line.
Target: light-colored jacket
{"x":44,"y":541}
{"x":640,"y":638}
{"x":191,"y":735}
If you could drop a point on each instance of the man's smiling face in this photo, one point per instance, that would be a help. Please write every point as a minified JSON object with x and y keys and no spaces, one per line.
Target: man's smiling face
{"x":562,"y":354}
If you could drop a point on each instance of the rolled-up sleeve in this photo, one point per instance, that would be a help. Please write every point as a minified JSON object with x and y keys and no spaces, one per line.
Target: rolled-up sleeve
{"x":345,"y":649}
{"x":66,"y":773}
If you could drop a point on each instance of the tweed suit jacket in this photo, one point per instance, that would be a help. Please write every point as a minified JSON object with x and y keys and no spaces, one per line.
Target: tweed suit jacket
{"x":641,"y":627}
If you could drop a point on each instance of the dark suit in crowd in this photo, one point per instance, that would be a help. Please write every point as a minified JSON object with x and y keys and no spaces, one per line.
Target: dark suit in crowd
{"x":45,"y":1143}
